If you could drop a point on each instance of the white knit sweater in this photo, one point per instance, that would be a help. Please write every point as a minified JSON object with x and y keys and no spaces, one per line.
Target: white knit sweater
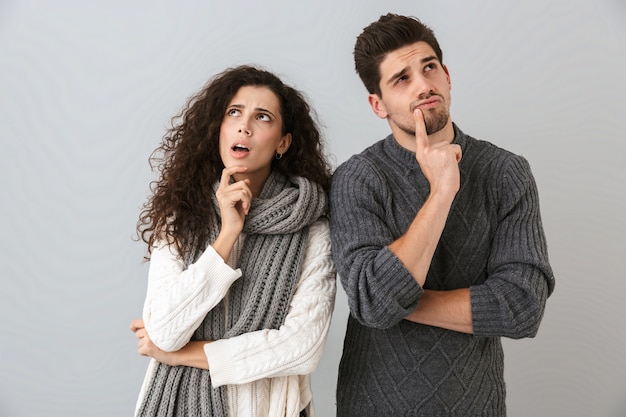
{"x":267,"y":371}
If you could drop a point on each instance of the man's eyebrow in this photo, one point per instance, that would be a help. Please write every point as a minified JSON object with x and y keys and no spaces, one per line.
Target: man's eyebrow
{"x":403,"y":71}
{"x":397,"y":75}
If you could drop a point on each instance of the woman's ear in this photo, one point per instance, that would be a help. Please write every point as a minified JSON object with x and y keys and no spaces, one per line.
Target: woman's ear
{"x":284,"y":144}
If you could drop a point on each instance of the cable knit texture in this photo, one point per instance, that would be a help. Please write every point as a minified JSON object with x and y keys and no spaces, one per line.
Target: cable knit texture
{"x":242,"y":310}
{"x":493,"y":243}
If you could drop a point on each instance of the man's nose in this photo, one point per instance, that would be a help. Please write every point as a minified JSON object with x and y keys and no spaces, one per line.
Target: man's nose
{"x":422,"y":87}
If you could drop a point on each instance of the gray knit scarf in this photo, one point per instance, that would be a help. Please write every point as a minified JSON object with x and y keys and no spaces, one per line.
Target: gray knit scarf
{"x":271,"y":258}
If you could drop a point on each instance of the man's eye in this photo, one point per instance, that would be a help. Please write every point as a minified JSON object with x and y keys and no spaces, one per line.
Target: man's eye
{"x":401,"y":79}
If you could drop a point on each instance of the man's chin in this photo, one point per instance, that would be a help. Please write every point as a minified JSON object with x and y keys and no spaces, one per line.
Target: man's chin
{"x":436,"y":123}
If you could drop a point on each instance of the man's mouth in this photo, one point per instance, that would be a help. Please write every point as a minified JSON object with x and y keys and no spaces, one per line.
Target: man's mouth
{"x":428,"y":103}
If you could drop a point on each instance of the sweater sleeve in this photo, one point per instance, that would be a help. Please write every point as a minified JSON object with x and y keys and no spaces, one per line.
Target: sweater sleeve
{"x":296,"y":347}
{"x":381,"y":291}
{"x":178,"y":299}
{"x":512,"y":300}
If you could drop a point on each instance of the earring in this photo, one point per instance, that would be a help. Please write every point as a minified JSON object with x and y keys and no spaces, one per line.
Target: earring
{"x":279,"y":155}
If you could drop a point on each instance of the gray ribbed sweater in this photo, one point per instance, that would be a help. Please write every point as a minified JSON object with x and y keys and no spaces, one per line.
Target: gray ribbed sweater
{"x":493,"y":243}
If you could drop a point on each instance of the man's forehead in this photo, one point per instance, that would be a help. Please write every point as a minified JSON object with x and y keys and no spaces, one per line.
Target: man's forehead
{"x":419,"y":50}
{"x":404,"y":59}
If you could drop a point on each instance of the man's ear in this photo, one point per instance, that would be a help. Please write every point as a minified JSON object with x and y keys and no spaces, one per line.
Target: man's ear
{"x":377,"y":106}
{"x":445,"y":68}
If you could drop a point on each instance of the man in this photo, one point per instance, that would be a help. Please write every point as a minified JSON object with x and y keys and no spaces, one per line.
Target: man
{"x":438,"y":243}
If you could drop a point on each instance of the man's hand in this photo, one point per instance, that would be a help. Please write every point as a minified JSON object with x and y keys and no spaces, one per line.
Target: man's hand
{"x":438,"y":161}
{"x":440,"y":164}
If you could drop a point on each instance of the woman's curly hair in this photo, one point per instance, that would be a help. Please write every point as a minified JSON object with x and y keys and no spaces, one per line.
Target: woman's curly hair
{"x":188,"y":158}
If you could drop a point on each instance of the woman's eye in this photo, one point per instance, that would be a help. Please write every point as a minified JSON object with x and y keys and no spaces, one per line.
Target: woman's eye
{"x":233,"y":112}
{"x":264,"y":117}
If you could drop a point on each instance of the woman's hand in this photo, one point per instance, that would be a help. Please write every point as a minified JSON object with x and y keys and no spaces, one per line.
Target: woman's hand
{"x":147,"y":348}
{"x":192,"y":354}
{"x":234,"y":201}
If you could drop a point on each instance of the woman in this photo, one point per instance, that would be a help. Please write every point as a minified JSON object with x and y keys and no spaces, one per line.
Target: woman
{"x":241,"y":282}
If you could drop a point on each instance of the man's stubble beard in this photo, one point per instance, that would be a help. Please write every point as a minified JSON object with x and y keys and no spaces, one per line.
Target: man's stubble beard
{"x":434,"y":119}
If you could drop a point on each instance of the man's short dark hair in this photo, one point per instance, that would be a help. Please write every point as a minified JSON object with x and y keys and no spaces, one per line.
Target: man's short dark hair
{"x":388,"y":33}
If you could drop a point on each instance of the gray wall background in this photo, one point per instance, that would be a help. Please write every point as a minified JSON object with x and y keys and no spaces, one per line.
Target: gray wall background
{"x":87,"y":89}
